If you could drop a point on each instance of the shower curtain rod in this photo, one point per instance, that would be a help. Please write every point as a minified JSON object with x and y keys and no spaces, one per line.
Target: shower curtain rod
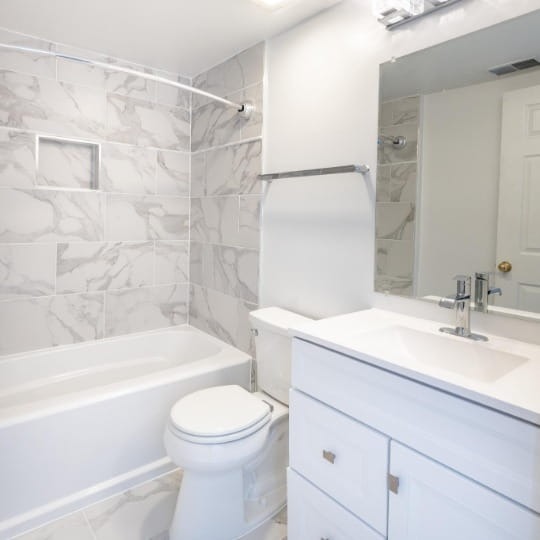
{"x":245,"y":109}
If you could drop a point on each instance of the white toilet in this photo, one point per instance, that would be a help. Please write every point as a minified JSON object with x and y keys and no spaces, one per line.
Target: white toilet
{"x":233,"y":444}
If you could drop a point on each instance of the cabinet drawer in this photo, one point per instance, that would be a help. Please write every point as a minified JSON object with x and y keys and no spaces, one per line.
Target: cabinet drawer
{"x":492,"y":448}
{"x":435,"y":502}
{"x":315,"y":516}
{"x":344,"y":458}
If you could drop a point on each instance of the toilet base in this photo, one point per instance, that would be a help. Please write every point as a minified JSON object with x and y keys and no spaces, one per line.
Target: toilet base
{"x":230,"y":504}
{"x":267,"y":530}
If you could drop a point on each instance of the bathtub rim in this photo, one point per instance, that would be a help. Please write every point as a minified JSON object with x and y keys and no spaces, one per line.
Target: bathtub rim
{"x":227,"y":355}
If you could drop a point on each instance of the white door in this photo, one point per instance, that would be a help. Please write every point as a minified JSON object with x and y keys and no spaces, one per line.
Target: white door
{"x":518,"y":235}
{"x":435,"y":503}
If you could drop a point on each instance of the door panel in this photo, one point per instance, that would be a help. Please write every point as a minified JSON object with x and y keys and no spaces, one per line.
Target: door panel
{"x":518,"y":234}
{"x":434,"y":502}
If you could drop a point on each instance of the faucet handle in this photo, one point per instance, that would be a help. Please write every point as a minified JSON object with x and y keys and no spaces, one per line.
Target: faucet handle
{"x":463,"y":286}
{"x":448,"y":302}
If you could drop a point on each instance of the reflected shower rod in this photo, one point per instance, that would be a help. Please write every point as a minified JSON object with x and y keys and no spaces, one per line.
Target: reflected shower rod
{"x":245,"y":109}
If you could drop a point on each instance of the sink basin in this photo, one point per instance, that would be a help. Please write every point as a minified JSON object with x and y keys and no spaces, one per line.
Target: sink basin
{"x":457,"y":355}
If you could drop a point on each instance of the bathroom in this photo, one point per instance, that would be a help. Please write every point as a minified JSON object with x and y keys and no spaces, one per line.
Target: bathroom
{"x":148,"y":272}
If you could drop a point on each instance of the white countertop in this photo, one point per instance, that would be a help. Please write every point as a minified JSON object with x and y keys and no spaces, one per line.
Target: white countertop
{"x":516,"y":393}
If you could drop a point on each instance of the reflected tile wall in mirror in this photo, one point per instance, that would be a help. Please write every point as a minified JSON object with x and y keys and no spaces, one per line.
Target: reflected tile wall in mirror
{"x":396,"y":196}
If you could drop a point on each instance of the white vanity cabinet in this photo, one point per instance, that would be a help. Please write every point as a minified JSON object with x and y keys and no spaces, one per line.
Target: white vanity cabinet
{"x":375,"y":455}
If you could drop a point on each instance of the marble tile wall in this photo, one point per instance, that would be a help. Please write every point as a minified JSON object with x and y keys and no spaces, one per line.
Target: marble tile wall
{"x":226,"y":200}
{"x":142,"y":513}
{"x":78,"y":263}
{"x":396,"y":197}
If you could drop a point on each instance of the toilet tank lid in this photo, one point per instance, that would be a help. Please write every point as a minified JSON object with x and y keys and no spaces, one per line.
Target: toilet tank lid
{"x":276,"y":319}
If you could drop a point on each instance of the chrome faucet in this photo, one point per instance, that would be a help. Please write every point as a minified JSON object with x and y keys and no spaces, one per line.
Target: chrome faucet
{"x":482,"y":291}
{"x":461,"y":302}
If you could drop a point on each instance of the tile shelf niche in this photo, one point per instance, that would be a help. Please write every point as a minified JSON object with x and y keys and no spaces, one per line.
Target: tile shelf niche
{"x":67,"y":163}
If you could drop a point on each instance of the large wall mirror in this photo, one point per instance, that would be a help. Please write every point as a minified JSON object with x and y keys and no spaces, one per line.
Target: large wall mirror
{"x":458,"y":176}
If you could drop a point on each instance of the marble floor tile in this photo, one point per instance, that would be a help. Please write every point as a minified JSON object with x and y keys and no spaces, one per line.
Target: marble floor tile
{"x":142,"y":513}
{"x":71,"y":527}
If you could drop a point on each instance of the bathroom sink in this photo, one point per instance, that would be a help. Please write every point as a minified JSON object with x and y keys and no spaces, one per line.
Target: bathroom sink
{"x":453,"y":354}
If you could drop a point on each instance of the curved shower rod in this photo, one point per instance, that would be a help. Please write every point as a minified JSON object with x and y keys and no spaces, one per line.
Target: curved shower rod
{"x":245,"y":109}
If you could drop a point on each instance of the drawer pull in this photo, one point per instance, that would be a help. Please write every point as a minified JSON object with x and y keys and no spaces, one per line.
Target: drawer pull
{"x":393,"y":483}
{"x":330,"y":457}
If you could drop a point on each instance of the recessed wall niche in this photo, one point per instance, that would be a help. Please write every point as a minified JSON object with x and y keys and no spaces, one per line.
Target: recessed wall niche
{"x":67,"y":163}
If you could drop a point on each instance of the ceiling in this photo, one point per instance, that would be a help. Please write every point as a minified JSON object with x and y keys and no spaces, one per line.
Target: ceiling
{"x":183,"y":36}
{"x":451,"y":64}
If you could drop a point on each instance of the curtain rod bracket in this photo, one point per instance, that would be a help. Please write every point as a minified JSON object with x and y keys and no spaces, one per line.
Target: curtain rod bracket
{"x":246,"y":110}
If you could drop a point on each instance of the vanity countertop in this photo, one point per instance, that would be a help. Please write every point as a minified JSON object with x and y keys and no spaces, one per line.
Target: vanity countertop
{"x":390,"y":340}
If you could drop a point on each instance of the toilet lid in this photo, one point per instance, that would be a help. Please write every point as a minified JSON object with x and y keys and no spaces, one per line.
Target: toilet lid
{"x":218,"y":411}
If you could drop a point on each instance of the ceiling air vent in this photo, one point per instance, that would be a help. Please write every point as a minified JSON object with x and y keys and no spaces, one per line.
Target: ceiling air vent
{"x":515,"y":66}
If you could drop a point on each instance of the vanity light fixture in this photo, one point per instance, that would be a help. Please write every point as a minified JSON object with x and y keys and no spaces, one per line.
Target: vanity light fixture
{"x":394,"y":13}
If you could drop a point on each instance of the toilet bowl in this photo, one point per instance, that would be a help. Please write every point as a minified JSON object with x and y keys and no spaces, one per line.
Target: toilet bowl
{"x":233,"y":445}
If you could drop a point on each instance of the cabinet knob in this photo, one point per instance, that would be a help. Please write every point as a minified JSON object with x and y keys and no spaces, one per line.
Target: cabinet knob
{"x":329,"y":456}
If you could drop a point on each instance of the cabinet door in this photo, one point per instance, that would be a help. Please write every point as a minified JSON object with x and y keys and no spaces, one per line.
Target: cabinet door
{"x":434,"y":502}
{"x":342,"y":457}
{"x":315,"y":516}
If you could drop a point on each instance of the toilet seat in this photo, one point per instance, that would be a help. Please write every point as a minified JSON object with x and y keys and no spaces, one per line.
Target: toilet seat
{"x":218,"y":415}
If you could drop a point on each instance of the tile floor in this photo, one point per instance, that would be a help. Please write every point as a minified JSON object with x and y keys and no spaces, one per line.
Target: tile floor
{"x":141,"y":513}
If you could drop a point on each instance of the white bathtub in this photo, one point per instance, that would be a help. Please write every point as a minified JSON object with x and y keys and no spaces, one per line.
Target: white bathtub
{"x":81,"y":422}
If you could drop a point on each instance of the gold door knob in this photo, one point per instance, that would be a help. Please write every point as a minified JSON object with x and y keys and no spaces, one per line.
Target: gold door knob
{"x":505,"y":266}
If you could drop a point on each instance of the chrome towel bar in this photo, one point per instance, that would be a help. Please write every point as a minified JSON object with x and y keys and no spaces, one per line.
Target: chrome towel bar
{"x":362,"y":169}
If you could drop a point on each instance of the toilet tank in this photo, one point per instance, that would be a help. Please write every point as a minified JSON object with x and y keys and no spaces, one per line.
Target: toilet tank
{"x":273,"y":349}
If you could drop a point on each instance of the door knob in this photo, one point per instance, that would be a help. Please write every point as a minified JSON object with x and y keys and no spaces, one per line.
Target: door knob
{"x":504,"y":266}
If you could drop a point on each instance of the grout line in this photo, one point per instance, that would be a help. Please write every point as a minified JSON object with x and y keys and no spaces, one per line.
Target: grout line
{"x":229,"y":144}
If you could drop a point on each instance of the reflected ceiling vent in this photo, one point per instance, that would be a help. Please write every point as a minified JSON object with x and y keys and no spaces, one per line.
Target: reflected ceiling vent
{"x":515,"y":66}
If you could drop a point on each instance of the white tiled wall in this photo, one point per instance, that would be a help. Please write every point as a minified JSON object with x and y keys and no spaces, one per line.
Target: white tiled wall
{"x":75,"y":263}
{"x":78,"y":263}
{"x":226,"y":198}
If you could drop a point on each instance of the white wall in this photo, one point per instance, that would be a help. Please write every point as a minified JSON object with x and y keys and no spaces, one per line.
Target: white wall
{"x":460,"y":181}
{"x":321,"y":110}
